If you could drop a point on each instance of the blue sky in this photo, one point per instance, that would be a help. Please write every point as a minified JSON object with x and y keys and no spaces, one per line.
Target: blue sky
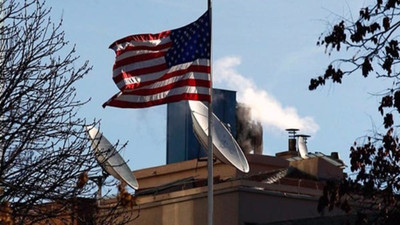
{"x":263,"y":49}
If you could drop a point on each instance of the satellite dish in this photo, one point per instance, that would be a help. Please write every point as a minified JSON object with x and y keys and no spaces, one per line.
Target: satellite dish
{"x":226,"y":148}
{"x":109,"y":158}
{"x":302,"y":145}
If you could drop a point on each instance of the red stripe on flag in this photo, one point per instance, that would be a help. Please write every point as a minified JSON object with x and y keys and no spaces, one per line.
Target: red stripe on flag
{"x":140,"y":72}
{"x":180,"y":83}
{"x":174,"y":98}
{"x":138,"y":58}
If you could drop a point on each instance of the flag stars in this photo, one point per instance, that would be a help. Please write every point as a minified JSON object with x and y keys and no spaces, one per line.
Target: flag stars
{"x":190,"y":42}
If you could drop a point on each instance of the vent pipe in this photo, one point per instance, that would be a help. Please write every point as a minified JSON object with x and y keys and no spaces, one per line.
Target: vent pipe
{"x":302,"y":145}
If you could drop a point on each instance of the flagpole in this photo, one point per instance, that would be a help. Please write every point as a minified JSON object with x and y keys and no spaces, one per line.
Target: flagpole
{"x":210,"y":161}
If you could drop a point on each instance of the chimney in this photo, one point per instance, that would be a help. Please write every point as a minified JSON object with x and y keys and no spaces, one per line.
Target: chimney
{"x":292,"y":148}
{"x":335,"y":155}
{"x":292,"y":139}
{"x":302,"y":145}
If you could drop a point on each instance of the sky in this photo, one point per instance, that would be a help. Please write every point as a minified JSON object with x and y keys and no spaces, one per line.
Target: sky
{"x":263,"y":49}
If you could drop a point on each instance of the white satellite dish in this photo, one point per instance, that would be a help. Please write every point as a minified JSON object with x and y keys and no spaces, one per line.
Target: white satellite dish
{"x":302,"y":146}
{"x":109,"y":158}
{"x":226,"y":148}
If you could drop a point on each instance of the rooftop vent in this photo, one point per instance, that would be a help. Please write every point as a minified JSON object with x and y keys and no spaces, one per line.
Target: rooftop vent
{"x":302,"y":145}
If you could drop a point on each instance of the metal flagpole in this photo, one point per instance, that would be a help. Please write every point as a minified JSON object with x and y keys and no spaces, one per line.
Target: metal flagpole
{"x":210,"y":161}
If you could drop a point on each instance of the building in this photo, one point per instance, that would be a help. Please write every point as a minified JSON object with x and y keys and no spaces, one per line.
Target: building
{"x":276,"y":191}
{"x":281,"y":189}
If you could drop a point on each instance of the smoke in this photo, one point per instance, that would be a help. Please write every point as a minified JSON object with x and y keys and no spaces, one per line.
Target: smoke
{"x":264,"y":107}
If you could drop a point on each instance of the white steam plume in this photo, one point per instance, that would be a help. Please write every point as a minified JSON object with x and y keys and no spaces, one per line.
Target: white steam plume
{"x":264,"y":107}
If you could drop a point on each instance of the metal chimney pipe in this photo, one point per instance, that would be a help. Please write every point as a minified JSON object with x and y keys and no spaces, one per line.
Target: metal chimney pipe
{"x":292,"y":139}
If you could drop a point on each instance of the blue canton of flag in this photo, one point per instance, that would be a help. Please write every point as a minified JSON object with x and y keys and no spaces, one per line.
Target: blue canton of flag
{"x":190,"y":42}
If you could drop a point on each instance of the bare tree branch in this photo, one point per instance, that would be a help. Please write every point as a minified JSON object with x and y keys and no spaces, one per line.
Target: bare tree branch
{"x":45,"y":157}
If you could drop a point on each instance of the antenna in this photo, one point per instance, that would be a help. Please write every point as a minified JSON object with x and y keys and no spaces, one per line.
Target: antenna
{"x":109,"y":158}
{"x":302,"y":145}
{"x":225,"y":147}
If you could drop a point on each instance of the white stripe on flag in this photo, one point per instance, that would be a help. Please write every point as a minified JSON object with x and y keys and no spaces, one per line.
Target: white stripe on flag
{"x":162,"y":95}
{"x":158,"y":75}
{"x":148,"y":43}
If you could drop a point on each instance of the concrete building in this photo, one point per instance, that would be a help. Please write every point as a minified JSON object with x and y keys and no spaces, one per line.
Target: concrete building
{"x":276,"y":191}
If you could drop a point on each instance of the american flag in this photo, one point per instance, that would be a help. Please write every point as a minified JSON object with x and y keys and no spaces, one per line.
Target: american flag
{"x":153,"y":69}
